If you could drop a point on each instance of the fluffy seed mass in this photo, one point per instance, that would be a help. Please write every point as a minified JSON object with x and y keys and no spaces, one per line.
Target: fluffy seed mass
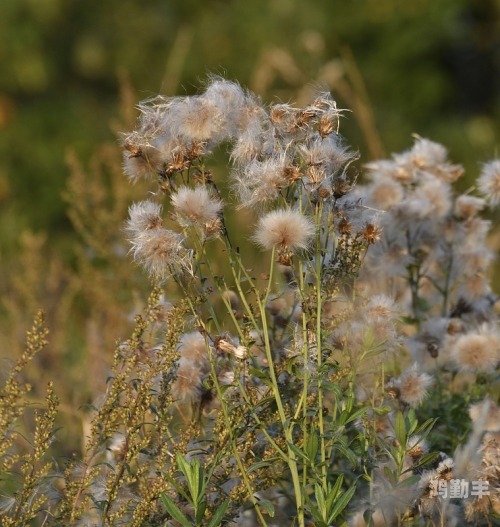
{"x":489,"y":181}
{"x":413,"y":385}
{"x":477,"y":352}
{"x":196,"y":205}
{"x":286,"y":229}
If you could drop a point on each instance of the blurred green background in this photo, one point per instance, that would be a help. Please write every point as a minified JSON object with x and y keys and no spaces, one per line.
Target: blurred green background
{"x":72,"y":71}
{"x":427,"y":67}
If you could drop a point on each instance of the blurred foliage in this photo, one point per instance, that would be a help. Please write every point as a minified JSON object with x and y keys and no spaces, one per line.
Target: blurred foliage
{"x":72,"y":72}
{"x":429,"y":67}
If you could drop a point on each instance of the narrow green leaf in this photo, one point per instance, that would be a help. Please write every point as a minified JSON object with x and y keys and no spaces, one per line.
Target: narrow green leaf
{"x":327,"y":385}
{"x":427,"y":423}
{"x":400,"y":429}
{"x":428,"y":458}
{"x":333,"y":493}
{"x":412,"y":421}
{"x":341,"y":504}
{"x":183,"y":465}
{"x":320,"y":500}
{"x":297,"y":451}
{"x":347,"y":453}
{"x":312,"y":446}
{"x":268,"y":506}
{"x":217,"y":517}
{"x":200,"y":511}
{"x":197,"y":480}
{"x":357,"y":414}
{"x":314,"y":511}
{"x":174,"y":511}
{"x":179,"y":489}
{"x":408,"y":482}
{"x":260,"y":464}
{"x":391,"y":478}
{"x":382,"y":410}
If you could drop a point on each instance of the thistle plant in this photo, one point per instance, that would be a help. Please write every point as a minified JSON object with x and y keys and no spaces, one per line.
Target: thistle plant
{"x":335,"y":366}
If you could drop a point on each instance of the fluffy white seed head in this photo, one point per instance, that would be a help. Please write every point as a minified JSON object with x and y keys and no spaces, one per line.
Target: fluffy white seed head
{"x":159,"y":251}
{"x":196,"y":205}
{"x":261,"y":181}
{"x":195,"y":119}
{"x":413,"y":385}
{"x":284,"y":229}
{"x":489,"y":181}
{"x":467,"y":206}
{"x":192,"y":347}
{"x":477,"y":352}
{"x":144,"y":216}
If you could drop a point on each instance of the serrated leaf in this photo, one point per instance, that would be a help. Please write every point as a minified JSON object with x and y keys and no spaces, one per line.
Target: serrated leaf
{"x":174,"y":511}
{"x":219,"y":514}
{"x":268,"y":506}
{"x":400,"y":429}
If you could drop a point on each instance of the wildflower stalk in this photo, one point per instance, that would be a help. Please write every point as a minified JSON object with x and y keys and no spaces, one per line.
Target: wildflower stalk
{"x":319,"y":213}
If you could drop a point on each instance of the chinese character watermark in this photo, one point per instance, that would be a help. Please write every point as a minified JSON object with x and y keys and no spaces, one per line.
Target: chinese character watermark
{"x":458,"y":488}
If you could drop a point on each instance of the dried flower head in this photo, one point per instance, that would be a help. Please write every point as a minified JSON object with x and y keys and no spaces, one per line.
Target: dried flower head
{"x":196,"y":205}
{"x":489,"y":181}
{"x":477,"y":352}
{"x":412,"y":385}
{"x":285,"y":229}
{"x":187,"y":387}
{"x":493,"y":417}
{"x":144,"y":216}
{"x":160,"y":251}
{"x":193,"y":347}
{"x":467,"y":206}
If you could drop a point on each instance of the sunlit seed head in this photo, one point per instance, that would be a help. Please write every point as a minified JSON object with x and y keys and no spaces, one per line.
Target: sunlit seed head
{"x":467,"y":206}
{"x":196,"y":205}
{"x":489,"y":182}
{"x":193,"y":347}
{"x":159,"y":251}
{"x":380,"y":308}
{"x":426,"y":153}
{"x":188,"y":385}
{"x":477,"y":352}
{"x":284,"y":229}
{"x":385,"y":193}
{"x":260,"y":182}
{"x":196,"y":119}
{"x":474,"y":287}
{"x":144,"y":216}
{"x":371,"y":233}
{"x":413,"y":385}
{"x":493,"y":417}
